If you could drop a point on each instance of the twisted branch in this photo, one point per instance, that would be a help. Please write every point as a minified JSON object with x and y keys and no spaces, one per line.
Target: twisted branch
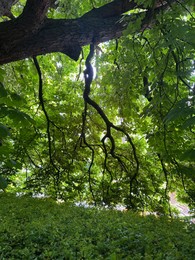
{"x":88,"y":74}
{"x":49,"y":122}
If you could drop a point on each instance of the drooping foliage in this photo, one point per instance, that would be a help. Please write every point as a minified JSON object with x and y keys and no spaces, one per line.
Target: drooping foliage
{"x":130,"y":140}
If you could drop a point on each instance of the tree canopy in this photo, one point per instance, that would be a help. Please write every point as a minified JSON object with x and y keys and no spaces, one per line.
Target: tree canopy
{"x":97,"y":101}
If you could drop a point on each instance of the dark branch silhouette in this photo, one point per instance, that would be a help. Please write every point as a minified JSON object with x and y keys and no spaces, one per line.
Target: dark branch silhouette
{"x":32,"y":33}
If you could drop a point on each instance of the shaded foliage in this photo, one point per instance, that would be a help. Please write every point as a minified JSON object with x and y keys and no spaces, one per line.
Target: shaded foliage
{"x":130,"y":140}
{"x":41,"y":228}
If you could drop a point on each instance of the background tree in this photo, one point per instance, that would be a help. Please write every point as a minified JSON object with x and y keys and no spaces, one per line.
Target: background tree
{"x":122,"y":131}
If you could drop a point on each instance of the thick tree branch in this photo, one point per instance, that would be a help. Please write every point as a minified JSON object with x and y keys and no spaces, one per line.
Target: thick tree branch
{"x":28,"y":22}
{"x":31,"y":34}
{"x":34,"y":13}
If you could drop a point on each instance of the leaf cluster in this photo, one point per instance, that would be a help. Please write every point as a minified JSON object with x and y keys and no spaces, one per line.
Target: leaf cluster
{"x":43,"y":229}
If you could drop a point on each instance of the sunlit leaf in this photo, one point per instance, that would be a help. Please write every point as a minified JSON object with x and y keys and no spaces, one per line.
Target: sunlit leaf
{"x":131,"y":147}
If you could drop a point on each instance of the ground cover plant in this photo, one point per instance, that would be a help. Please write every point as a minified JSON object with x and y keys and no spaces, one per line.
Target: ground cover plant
{"x":34,"y":228}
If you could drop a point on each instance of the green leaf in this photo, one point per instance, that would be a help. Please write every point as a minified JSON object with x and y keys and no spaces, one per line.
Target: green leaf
{"x":16,"y":98}
{"x":188,"y":171}
{"x":20,"y":117}
{"x":3,"y":110}
{"x":188,"y":155}
{"x":13,"y":164}
{"x":181,"y":109}
{"x":3,"y":183}
{"x":189,"y":122}
{"x":140,"y":79}
{"x":4,"y":131}
{"x":2,"y":74}
{"x":3,"y":91}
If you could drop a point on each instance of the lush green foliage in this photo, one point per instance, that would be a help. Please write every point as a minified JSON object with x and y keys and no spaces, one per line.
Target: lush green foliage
{"x":42,"y":229}
{"x":144,"y":84}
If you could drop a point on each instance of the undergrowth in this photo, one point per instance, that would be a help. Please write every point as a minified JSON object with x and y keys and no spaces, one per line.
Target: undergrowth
{"x":32,"y":228}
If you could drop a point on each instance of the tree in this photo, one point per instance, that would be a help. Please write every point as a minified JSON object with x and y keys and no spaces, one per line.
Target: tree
{"x":124,"y":135}
{"x":33,"y":34}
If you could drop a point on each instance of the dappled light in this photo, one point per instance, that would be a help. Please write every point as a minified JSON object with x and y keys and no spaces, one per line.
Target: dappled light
{"x":97,"y":102}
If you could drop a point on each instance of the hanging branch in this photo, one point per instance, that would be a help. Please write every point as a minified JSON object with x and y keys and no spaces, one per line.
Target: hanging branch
{"x":41,"y":100}
{"x":176,"y":60}
{"x":115,"y":60}
{"x":88,"y":74}
{"x":80,"y":65}
{"x":178,"y":168}
{"x":83,"y":138}
{"x":49,"y":122}
{"x":166,"y":173}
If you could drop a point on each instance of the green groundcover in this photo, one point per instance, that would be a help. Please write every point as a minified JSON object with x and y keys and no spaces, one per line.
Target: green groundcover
{"x":32,"y":228}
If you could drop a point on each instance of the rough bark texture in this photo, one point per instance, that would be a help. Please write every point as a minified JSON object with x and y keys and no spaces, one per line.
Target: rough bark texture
{"x":5,"y":8}
{"x":32,"y":34}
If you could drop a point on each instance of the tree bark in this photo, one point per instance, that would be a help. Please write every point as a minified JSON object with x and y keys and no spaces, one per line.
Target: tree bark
{"x":33,"y":34}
